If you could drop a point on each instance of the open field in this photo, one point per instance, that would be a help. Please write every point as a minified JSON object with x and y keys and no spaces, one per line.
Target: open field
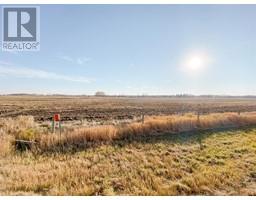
{"x":117,"y":108}
{"x":125,"y":98}
{"x":172,"y":164}
{"x":165,"y":154}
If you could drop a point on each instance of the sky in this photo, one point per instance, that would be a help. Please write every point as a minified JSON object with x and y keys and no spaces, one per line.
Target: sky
{"x":137,"y":49}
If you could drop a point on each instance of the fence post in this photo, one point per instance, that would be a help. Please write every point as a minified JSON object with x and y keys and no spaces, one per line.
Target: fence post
{"x":142,"y":118}
{"x":60,"y":128}
{"x":56,"y":123}
{"x":199,"y":131}
{"x":198,"y":115}
{"x":53,"y":126}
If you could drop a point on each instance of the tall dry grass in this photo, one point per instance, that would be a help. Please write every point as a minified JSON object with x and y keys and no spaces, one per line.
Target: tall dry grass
{"x":22,"y":127}
{"x":225,"y":166}
{"x":6,"y":144}
{"x":151,"y":125}
{"x":18,"y":124}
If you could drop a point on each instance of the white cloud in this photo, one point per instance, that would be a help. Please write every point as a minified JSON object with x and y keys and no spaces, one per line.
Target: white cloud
{"x":24,"y":72}
{"x":83,"y":60}
{"x":79,"y":60}
{"x":66,"y":58}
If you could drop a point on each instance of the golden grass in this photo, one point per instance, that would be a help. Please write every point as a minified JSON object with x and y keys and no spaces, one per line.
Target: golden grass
{"x":21,"y":127}
{"x":14,"y":126}
{"x":11,"y":124}
{"x":6,"y":144}
{"x":212,"y":163}
{"x":24,"y":127}
{"x":161,"y":165}
{"x":151,"y":126}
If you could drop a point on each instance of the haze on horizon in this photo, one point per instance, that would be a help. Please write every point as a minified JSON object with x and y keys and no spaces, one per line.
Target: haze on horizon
{"x":138,"y":49}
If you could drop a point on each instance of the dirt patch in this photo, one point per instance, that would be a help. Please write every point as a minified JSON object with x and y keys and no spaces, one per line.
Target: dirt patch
{"x":115,"y":108}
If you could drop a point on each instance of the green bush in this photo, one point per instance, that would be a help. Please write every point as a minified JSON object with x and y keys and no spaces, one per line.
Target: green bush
{"x":27,"y":134}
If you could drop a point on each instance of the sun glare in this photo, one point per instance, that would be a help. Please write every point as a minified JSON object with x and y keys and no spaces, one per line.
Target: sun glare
{"x":195,"y":63}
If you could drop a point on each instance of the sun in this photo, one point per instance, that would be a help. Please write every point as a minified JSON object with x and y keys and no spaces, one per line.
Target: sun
{"x":195,"y":62}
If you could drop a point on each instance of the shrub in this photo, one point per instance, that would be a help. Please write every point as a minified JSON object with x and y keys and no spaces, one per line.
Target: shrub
{"x":27,"y":134}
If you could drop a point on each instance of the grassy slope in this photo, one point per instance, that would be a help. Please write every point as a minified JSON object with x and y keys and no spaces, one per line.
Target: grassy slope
{"x":155,"y":165}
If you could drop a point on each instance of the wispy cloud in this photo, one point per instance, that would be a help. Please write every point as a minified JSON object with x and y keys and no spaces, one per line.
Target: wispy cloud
{"x":6,"y":69}
{"x":66,"y":58}
{"x":79,"y":60}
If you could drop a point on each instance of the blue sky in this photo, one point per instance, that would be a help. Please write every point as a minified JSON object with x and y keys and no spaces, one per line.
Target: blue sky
{"x":138,"y":49}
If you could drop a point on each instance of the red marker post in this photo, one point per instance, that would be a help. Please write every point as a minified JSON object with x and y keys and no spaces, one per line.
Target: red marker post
{"x":56,"y":122}
{"x":56,"y":117}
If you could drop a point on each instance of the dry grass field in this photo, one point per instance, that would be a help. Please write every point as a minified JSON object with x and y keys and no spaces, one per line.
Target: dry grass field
{"x":160,"y":165}
{"x":165,"y":154}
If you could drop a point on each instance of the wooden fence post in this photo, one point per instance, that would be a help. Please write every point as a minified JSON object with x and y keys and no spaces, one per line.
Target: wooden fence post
{"x":198,"y":115}
{"x":56,"y":122}
{"x":60,"y":128}
{"x":142,"y":118}
{"x":53,"y":126}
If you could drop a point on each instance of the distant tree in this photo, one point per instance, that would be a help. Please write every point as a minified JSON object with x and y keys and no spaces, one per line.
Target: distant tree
{"x":100,"y":94}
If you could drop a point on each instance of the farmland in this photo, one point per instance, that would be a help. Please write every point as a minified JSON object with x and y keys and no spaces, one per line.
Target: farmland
{"x":107,"y":108}
{"x":113,"y":152}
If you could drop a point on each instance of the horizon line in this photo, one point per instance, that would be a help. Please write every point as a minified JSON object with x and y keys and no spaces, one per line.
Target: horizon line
{"x":128,"y":95}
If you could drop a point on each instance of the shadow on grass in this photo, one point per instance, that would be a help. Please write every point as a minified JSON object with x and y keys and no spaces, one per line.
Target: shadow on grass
{"x":191,"y":137}
{"x":196,"y":136}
